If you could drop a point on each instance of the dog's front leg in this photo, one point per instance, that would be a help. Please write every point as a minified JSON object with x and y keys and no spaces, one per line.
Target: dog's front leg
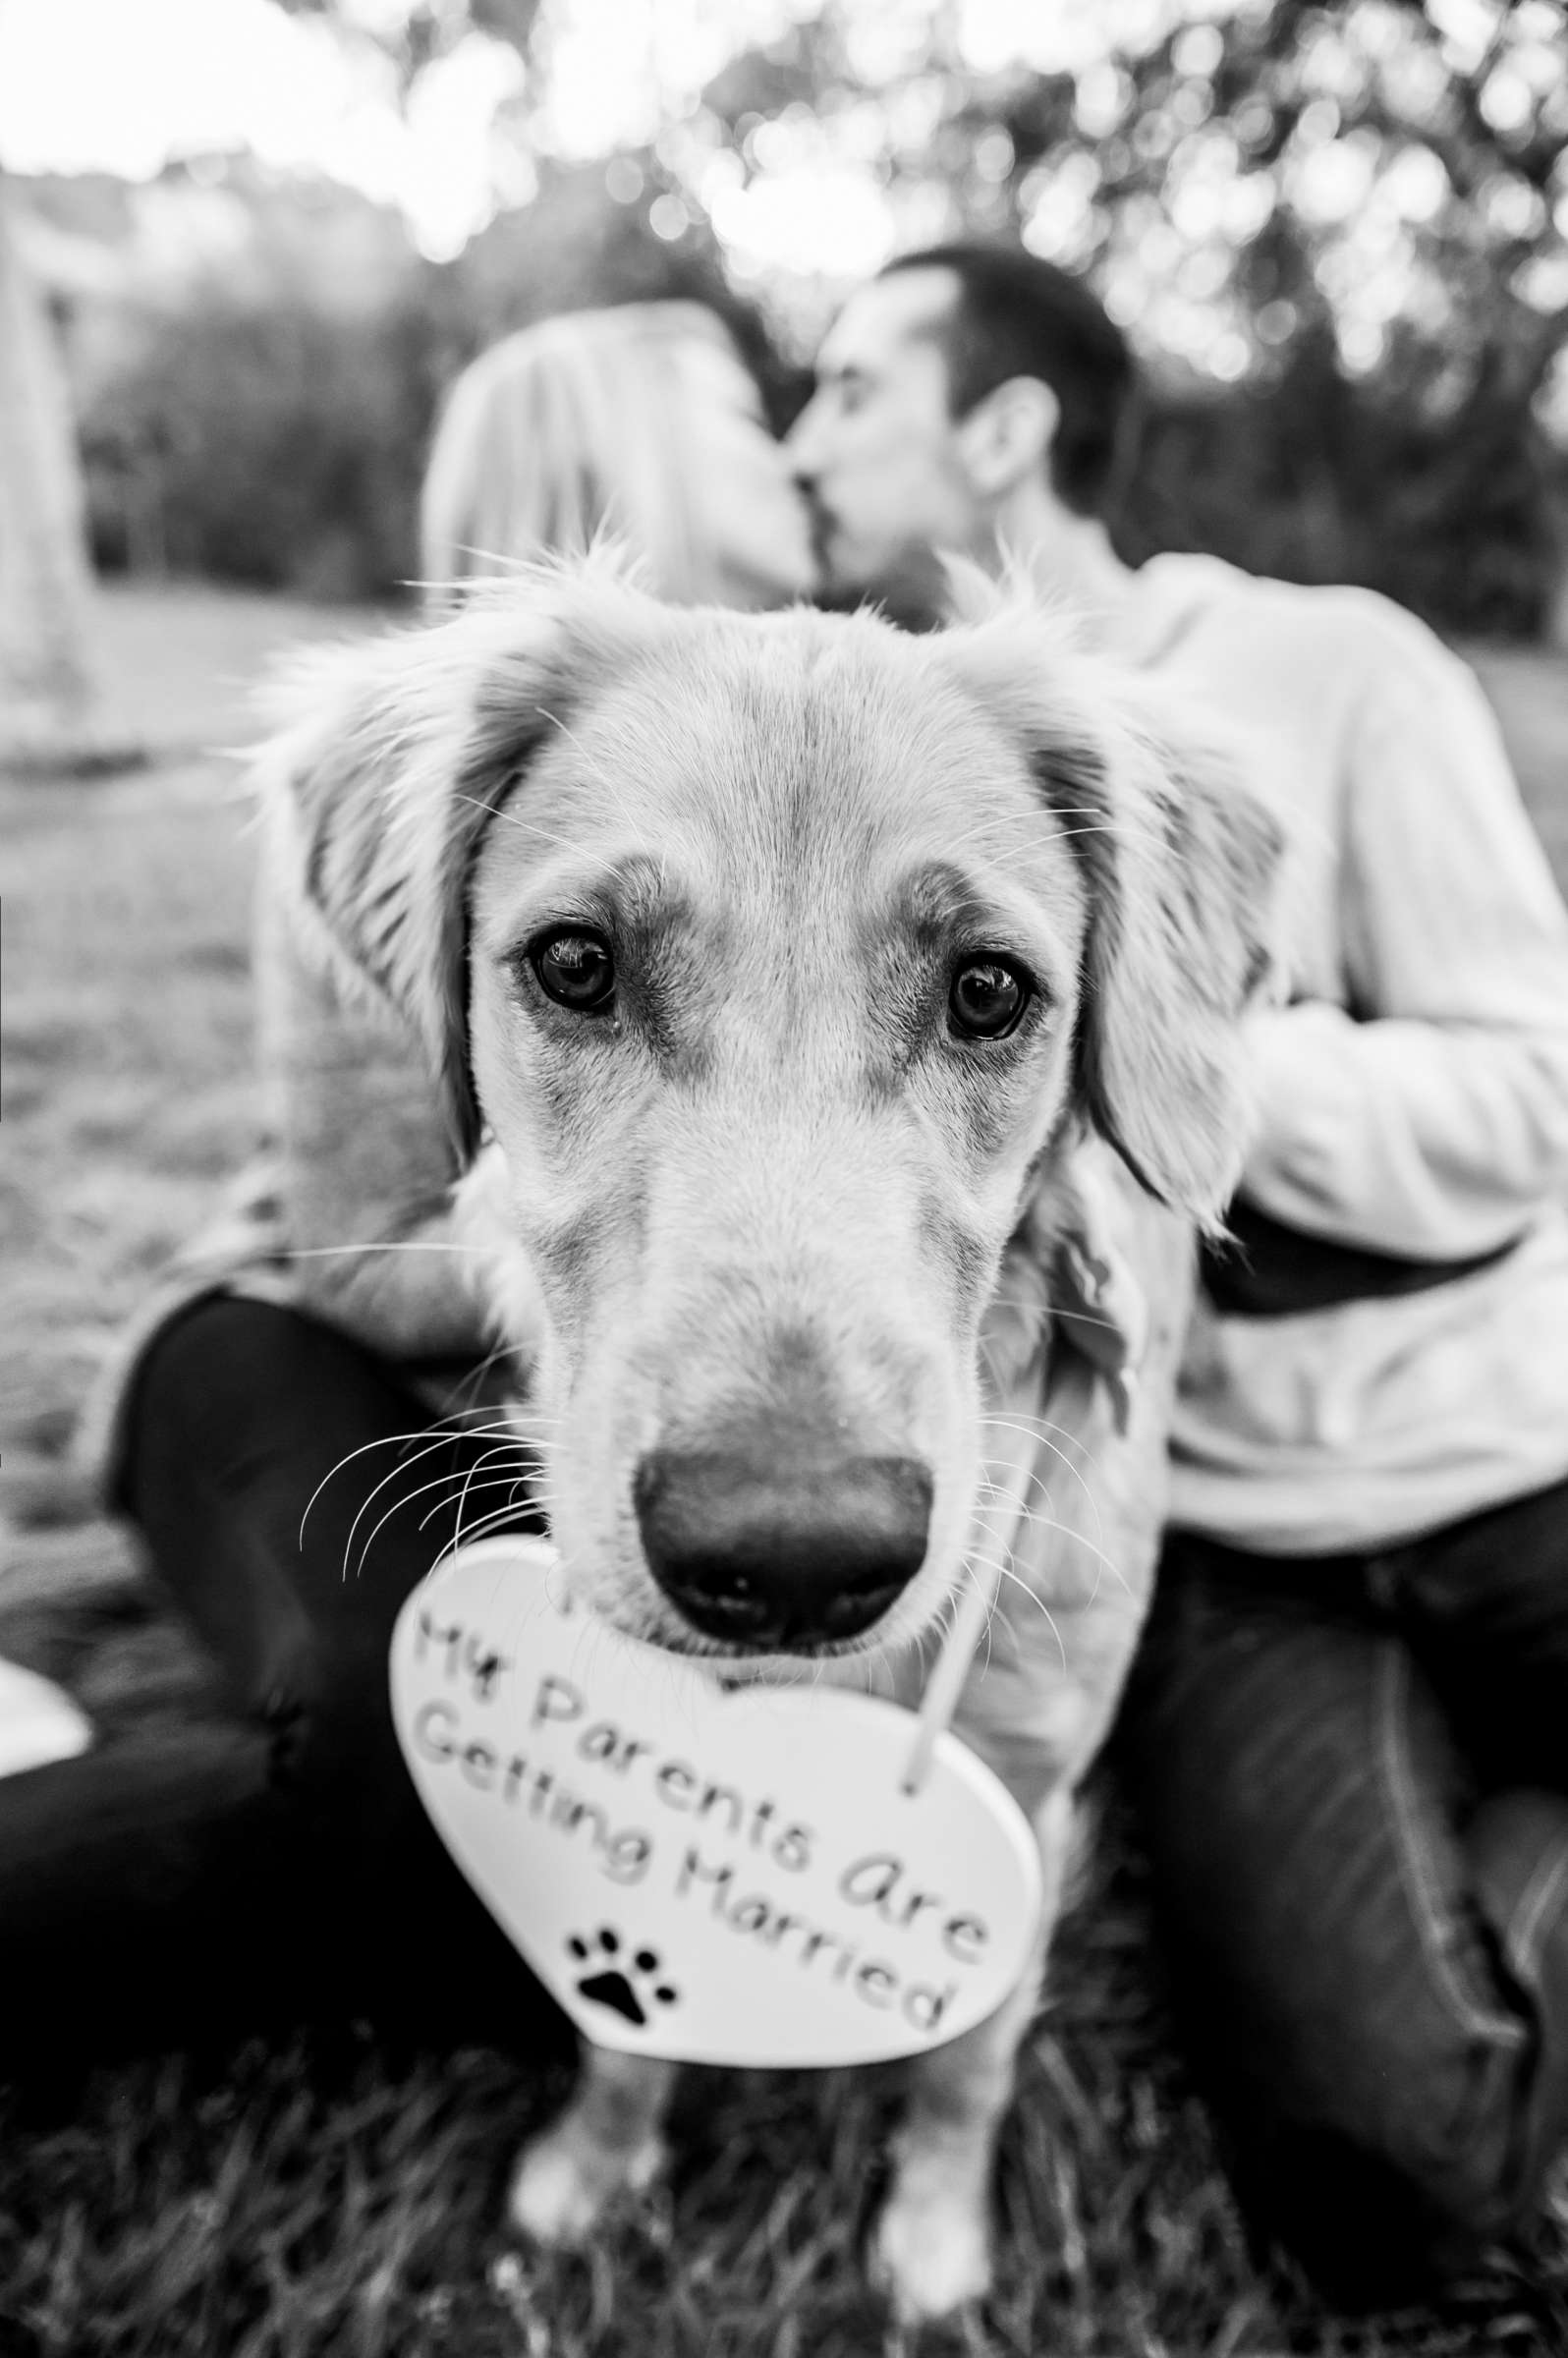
{"x":609,"y":2142}
{"x":931,"y":2247}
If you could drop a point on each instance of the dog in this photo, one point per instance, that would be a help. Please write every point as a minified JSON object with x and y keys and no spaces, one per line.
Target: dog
{"x":818,"y":1013}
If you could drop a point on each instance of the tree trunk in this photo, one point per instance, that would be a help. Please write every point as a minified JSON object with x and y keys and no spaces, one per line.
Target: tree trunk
{"x":47,"y":680}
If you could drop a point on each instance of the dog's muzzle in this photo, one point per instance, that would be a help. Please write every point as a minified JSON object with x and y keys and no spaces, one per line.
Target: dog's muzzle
{"x":782,"y":1558}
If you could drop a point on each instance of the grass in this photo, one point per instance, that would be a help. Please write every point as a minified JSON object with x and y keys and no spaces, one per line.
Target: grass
{"x":335,"y":2194}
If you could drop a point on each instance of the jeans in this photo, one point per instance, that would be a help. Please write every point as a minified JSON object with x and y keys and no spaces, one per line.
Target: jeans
{"x":1352,"y":1778}
{"x":269,"y":1857}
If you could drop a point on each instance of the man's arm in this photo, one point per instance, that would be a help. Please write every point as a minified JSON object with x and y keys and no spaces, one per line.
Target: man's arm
{"x":1436,"y":1126}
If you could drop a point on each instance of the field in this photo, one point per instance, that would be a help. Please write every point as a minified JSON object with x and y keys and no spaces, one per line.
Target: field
{"x":334,"y":2194}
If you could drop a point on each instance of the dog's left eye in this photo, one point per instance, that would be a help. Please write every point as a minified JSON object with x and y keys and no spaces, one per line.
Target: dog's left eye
{"x":577,"y":969}
{"x":988,"y":997}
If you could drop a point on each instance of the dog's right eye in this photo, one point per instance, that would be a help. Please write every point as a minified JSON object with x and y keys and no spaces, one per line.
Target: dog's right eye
{"x":575,"y":969}
{"x":988,"y":997}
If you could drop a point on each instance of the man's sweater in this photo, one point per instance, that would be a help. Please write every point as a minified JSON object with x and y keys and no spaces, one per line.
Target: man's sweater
{"x":1412,"y":1097}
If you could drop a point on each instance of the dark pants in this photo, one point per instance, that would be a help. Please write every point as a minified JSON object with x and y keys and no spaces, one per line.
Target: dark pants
{"x":1352,"y":1777}
{"x":268,"y":1858}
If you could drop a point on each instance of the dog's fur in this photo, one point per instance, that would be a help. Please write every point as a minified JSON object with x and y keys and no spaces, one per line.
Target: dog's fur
{"x":768,"y":1204}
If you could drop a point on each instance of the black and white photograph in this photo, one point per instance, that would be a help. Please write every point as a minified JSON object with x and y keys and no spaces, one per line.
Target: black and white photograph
{"x":784,"y":1214}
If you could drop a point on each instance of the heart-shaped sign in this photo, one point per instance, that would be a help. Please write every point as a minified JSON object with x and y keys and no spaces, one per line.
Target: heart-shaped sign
{"x":712,"y":1876}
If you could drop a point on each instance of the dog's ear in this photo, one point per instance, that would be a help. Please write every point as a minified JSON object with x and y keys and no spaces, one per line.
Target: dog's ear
{"x":1181,"y":860}
{"x":389,"y":761}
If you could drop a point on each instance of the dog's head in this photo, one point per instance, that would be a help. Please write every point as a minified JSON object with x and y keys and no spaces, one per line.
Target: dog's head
{"x":779,"y":955}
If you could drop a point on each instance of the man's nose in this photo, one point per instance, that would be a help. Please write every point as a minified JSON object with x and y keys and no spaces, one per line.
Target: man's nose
{"x":782,"y":1558}
{"x":800,"y":446}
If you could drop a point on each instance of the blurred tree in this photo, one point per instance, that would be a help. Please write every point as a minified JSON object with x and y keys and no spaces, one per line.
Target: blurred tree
{"x":265,"y":416}
{"x":1232,"y":177}
{"x":1338,"y":233}
{"x":420,"y":32}
{"x":1358,"y":210}
{"x":606,"y":235}
{"x":47,"y":682}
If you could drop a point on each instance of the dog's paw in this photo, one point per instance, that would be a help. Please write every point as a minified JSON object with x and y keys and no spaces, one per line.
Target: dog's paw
{"x":931,"y":2256}
{"x":563,"y":2187}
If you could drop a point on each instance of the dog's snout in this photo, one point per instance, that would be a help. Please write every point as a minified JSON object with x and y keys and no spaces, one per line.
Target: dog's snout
{"x":782,"y":1557}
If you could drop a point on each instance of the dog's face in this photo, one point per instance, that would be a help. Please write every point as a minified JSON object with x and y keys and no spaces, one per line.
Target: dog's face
{"x":779,"y":956}
{"x":774,"y":981}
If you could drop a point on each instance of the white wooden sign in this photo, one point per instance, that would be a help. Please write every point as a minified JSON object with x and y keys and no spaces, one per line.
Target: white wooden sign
{"x":716,"y":1876}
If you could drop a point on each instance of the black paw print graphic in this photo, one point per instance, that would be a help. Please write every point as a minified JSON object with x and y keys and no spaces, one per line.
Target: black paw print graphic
{"x":625,"y":1984}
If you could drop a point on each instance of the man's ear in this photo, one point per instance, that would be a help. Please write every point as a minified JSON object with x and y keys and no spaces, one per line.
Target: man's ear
{"x":390,"y":762}
{"x":1181,"y":860}
{"x":1005,"y":439}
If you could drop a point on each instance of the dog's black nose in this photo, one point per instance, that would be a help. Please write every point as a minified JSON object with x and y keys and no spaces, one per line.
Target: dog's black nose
{"x":782,"y":1558}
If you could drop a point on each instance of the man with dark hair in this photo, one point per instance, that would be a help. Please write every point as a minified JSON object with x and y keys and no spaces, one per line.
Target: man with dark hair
{"x":968,"y":395}
{"x":1017,"y":317}
{"x":1347,"y":1734}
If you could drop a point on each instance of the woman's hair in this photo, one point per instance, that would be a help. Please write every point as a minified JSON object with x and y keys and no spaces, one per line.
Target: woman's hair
{"x":574,"y":428}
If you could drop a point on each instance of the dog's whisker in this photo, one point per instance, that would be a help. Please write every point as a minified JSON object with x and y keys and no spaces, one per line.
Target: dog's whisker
{"x":488,"y":1456}
{"x":490,"y":1361}
{"x":535,"y":1418}
{"x":991,"y":1622}
{"x":491,"y":1519}
{"x":501,"y":1420}
{"x":504,"y":817}
{"x":1038,"y":1481}
{"x":595,"y":769}
{"x":1048,"y":1306}
{"x":1102,"y":822}
{"x":405,"y":1498}
{"x":1050,"y":1619}
{"x":469,"y":1486}
{"x":504,"y":1433}
{"x":385,"y":1440}
{"x":442,"y":1482}
{"x":1039,"y":1428}
{"x":391,"y":1245}
{"x":977,"y":1558}
{"x":997,"y":1493}
{"x":433,"y":1442}
{"x":1042,"y":1430}
{"x":511,"y":1483}
{"x":1107,"y":1563}
{"x":1031,"y":1519}
{"x":1104,"y":1563}
{"x":502,"y":1411}
{"x":496,"y":1520}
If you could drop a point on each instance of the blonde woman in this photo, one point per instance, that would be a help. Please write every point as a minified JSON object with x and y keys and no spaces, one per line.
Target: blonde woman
{"x":642,"y":422}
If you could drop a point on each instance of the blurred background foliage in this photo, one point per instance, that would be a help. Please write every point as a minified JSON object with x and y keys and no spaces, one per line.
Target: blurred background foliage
{"x":1339,"y":236}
